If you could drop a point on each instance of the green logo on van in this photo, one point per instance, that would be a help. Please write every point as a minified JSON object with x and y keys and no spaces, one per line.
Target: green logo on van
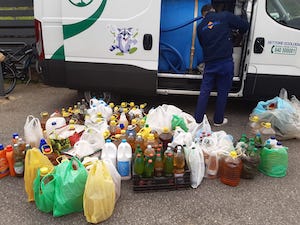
{"x":81,"y":3}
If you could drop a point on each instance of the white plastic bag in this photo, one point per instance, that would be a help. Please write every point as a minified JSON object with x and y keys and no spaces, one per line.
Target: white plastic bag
{"x":181,"y":137}
{"x":81,"y":149}
{"x":94,"y":137}
{"x":158,"y":118}
{"x":204,"y":126}
{"x":196,"y":164}
{"x":33,"y":132}
{"x":115,"y":176}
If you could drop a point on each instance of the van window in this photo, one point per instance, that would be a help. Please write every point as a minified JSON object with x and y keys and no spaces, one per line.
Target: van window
{"x":285,"y":12}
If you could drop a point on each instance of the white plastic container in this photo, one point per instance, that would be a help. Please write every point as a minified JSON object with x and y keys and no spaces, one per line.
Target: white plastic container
{"x":124,"y":157}
{"x":272,"y":141}
{"x":54,"y":123}
{"x":109,"y":152}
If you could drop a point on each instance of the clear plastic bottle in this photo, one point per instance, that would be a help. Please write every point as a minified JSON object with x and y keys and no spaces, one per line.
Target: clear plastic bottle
{"x":19,"y":158}
{"x":179,"y":161}
{"x":266,"y":131}
{"x":165,"y":137}
{"x":158,"y":166}
{"x":253,"y":126}
{"x":212,"y":165}
{"x":151,"y":141}
{"x":139,"y":141}
{"x":131,"y":140}
{"x":149,"y":150}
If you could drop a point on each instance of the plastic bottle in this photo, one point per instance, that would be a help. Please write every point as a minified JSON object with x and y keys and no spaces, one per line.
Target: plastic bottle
{"x":278,"y":145}
{"x":10,"y":160}
{"x":258,"y":141}
{"x":117,"y":140}
{"x":168,"y":164}
{"x":145,"y":131}
{"x":149,"y":169}
{"x":15,"y":137}
{"x":4,"y":167}
{"x":179,"y":161}
{"x":138,"y":150}
{"x":165,"y":137}
{"x":109,"y":152}
{"x":139,"y":141}
{"x":113,"y":127}
{"x":19,"y":158}
{"x":131,"y":140}
{"x":231,"y":170}
{"x":272,"y":141}
{"x":139,"y":164}
{"x":244,"y":138}
{"x":151,"y":141}
{"x":123,"y":120}
{"x":253,"y":125}
{"x":149,"y":150}
{"x":158,"y":166}
{"x":44,"y":118}
{"x":124,"y":157}
{"x":212,"y":165}
{"x":266,"y":131}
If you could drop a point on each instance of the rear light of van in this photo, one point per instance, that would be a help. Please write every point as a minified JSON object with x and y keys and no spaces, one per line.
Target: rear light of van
{"x":39,"y":39}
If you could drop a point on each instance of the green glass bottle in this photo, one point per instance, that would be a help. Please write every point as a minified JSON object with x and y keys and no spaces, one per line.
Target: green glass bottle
{"x":149,"y":169}
{"x":139,"y":165}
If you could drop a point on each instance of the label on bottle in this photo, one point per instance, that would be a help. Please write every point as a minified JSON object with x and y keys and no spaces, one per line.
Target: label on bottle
{"x":124,"y":168}
{"x":19,"y":168}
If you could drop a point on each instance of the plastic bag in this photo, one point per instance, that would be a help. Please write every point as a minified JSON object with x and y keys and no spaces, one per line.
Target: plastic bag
{"x":178,"y":121}
{"x":158,"y":118}
{"x":99,"y":194}
{"x":33,"y":132}
{"x":204,"y":126}
{"x":181,"y":137}
{"x":34,"y":160}
{"x":81,"y":149}
{"x":115,"y":176}
{"x":196,"y":164}
{"x":44,"y":192}
{"x":94,"y":137}
{"x":272,"y":104}
{"x":71,"y":177}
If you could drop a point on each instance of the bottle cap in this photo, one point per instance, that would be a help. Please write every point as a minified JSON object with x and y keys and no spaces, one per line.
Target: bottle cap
{"x":123,"y":131}
{"x":233,"y":154}
{"x":165,"y":130}
{"x":111,"y":105}
{"x":14,"y":135}
{"x":150,"y":161}
{"x":118,"y":136}
{"x":138,"y":155}
{"x":9,"y":148}
{"x":121,"y":125}
{"x":53,"y":123}
{"x":254,"y":119}
{"x":267,"y":125}
{"x":123,"y":104}
{"x":72,"y":127}
{"x":45,"y":114}
{"x":133,"y":121}
{"x":108,"y":140}
{"x":44,"y":171}
{"x":99,"y":114}
{"x":151,"y":155}
{"x":142,"y":106}
{"x":1,"y":147}
{"x":124,"y":141}
{"x":113,"y":123}
{"x":125,"y":110}
{"x":151,"y":137}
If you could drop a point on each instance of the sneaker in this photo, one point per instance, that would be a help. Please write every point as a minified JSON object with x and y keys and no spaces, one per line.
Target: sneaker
{"x":225,"y":121}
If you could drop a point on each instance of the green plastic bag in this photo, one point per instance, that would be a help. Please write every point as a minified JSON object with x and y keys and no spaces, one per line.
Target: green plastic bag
{"x":70,"y":182}
{"x":178,"y":121}
{"x":44,"y":192}
{"x":273,"y":162}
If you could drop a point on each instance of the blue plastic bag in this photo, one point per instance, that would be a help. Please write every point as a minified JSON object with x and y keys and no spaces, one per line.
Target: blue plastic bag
{"x":272,"y":104}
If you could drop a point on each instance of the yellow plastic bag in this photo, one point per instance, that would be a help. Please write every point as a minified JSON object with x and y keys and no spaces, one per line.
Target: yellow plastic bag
{"x":99,"y":194}
{"x":33,"y":161}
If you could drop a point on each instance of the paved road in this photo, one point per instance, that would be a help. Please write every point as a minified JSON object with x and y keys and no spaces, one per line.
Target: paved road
{"x":264,"y":200}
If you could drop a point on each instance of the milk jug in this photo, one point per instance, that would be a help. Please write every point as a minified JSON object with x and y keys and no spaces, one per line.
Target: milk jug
{"x":109,"y":152}
{"x":124,"y":156}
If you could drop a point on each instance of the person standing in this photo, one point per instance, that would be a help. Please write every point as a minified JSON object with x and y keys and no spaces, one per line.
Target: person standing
{"x":214,"y":34}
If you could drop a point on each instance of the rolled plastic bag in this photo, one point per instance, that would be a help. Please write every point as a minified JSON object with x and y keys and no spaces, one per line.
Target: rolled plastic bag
{"x":71,"y":177}
{"x":34,"y":160}
{"x":99,"y":194}
{"x":44,"y":188}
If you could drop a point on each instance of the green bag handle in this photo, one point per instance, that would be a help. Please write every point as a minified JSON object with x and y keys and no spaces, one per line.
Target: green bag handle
{"x":42,"y":183}
{"x":79,"y":164}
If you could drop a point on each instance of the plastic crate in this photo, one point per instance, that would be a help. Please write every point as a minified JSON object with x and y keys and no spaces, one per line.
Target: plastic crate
{"x":141,"y":184}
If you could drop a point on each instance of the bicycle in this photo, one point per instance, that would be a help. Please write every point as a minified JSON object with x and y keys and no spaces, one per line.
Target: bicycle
{"x":16,"y":66}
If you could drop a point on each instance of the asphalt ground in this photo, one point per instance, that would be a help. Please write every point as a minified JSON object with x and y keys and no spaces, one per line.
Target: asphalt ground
{"x":263,"y":200}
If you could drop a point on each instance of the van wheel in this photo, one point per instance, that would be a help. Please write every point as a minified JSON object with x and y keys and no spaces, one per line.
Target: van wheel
{"x":105,"y":96}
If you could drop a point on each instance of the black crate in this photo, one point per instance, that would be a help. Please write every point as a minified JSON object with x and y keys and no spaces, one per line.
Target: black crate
{"x":141,"y":184}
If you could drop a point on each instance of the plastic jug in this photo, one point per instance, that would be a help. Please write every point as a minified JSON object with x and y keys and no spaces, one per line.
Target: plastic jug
{"x":124,"y":157}
{"x":231,"y":170}
{"x":10,"y":160}
{"x":4,"y":168}
{"x":266,"y":130}
{"x":253,"y":125}
{"x":54,"y":123}
{"x":109,"y":152}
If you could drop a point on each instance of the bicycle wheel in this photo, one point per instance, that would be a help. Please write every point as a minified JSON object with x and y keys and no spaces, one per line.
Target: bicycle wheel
{"x":9,"y":78}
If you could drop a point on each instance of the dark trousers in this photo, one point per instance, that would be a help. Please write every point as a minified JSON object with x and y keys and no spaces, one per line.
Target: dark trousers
{"x":216,"y":74}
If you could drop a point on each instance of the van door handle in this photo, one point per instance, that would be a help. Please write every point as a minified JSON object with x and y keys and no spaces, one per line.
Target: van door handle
{"x":147,"y":41}
{"x":259,"y":45}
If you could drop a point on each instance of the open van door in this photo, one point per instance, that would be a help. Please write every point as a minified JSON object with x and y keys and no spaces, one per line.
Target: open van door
{"x":274,"y":56}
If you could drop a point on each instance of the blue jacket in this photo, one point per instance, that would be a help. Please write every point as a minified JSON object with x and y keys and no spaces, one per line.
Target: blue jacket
{"x":214,"y":34}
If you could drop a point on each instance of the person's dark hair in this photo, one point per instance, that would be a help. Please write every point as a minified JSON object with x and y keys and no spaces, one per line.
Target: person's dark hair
{"x":206,"y":8}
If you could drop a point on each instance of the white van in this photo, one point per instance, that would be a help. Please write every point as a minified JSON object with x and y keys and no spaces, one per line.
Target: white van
{"x":150,"y":47}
